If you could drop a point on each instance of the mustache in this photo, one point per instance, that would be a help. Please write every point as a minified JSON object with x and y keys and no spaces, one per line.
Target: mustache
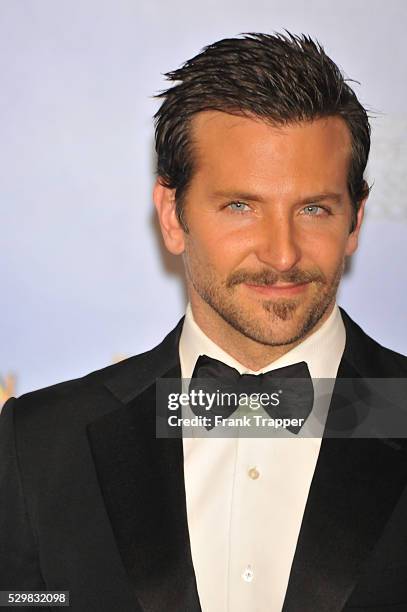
{"x":270,"y":277}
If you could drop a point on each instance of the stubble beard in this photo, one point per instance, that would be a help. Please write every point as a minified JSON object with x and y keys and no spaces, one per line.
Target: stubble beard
{"x":222,"y":297}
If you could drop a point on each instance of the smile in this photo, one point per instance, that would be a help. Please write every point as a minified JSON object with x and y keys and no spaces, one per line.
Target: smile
{"x":278,"y":290}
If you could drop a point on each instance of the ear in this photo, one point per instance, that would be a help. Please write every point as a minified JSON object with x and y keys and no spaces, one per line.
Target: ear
{"x":171,"y":229}
{"x":353,"y":238}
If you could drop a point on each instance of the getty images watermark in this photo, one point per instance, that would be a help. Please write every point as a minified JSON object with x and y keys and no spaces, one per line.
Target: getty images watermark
{"x":198,"y":406}
{"x":217,"y":404}
{"x":335,"y":408}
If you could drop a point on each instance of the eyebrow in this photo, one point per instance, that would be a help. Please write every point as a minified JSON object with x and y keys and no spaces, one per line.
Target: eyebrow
{"x":253,"y":197}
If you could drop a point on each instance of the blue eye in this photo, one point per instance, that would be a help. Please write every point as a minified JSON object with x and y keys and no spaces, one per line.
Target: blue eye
{"x":238,"y":206}
{"x":313,"y":210}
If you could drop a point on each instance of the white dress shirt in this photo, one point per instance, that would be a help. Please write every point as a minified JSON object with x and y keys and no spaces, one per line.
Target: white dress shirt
{"x":246,"y":496}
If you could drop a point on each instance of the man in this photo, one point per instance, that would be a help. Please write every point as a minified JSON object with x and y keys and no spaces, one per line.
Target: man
{"x":261,"y":149}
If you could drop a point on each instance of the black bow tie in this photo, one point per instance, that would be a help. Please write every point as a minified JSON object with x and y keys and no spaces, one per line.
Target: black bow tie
{"x":289,"y":389}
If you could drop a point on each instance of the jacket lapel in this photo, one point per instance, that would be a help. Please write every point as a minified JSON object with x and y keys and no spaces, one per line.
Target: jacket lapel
{"x":142,"y":482}
{"x":349,"y":503}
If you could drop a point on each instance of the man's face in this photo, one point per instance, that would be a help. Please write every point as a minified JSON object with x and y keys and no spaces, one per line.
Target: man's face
{"x":268,"y":216}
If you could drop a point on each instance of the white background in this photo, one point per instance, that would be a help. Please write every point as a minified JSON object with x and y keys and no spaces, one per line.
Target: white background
{"x":82,"y":275}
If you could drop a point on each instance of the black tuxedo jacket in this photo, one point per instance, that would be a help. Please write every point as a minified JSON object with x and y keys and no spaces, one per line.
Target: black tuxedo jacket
{"x":93,"y":503}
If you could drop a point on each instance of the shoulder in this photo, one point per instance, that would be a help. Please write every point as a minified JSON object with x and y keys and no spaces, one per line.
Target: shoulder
{"x":64,"y":405}
{"x":86,"y":398}
{"x":368,"y":355}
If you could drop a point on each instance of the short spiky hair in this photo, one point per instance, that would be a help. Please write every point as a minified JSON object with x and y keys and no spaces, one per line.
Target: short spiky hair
{"x":281,"y":78}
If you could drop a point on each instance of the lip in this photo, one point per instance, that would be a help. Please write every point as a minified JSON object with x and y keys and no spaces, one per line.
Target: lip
{"x":279,"y":290}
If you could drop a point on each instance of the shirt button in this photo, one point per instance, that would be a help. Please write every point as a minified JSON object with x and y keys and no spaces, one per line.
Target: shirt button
{"x":248,"y":574}
{"x":254,"y":473}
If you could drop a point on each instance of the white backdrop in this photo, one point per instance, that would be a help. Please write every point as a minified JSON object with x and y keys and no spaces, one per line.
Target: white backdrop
{"x":82,"y":276}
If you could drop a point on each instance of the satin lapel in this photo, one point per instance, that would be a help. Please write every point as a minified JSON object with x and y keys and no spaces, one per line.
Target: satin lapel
{"x":349,"y":503}
{"x":142,"y":482}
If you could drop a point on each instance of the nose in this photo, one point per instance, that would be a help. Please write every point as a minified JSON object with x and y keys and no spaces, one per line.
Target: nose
{"x":277,"y":244}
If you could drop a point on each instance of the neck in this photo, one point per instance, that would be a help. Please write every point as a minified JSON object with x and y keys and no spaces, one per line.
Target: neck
{"x":250,"y":353}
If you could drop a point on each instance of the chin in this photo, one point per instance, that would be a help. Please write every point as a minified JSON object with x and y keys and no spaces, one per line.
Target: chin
{"x":278,"y":336}
{"x":269,"y":330}
{"x":277,"y":323}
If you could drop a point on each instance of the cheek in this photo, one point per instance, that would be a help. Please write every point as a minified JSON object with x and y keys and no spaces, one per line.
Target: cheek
{"x":325,"y":250}
{"x":217,"y":249}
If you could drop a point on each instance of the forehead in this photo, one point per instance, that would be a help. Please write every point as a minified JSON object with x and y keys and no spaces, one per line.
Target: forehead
{"x":229,"y":148}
